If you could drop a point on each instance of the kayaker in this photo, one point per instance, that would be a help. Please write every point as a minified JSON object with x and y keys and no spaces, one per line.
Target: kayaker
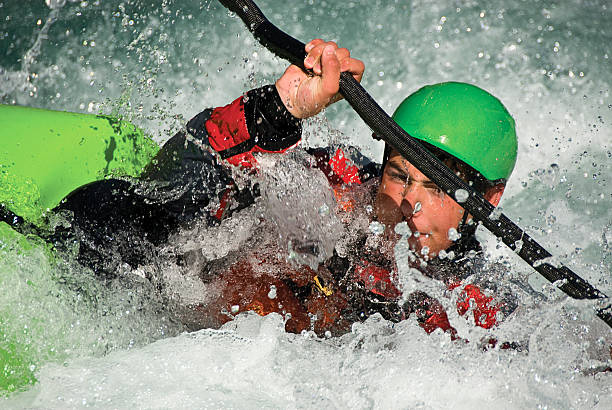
{"x":468,"y":129}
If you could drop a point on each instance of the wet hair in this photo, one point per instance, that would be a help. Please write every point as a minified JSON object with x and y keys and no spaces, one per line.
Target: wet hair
{"x":463,"y":170}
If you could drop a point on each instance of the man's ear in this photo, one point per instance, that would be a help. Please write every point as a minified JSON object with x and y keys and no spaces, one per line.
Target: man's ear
{"x":494,"y":194}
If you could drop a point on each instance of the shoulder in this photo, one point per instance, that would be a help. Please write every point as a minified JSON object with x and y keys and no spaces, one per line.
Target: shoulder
{"x":344,"y":164}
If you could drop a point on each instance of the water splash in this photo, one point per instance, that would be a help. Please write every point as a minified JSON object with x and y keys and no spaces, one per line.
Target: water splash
{"x":24,"y":80}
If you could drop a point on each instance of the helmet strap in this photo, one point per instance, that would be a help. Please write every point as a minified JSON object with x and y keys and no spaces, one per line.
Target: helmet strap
{"x":464,"y":228}
{"x":386,"y":155}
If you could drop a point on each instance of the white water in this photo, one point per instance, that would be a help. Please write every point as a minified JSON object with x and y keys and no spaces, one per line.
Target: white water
{"x":548,"y":62}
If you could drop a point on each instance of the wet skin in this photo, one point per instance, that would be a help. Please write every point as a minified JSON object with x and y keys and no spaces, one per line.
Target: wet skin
{"x":305,"y":95}
{"x":403,"y":186}
{"x":405,"y":194}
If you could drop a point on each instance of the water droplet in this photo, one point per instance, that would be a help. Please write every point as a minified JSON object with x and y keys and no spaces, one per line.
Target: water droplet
{"x":324,"y":210}
{"x":559,"y":283}
{"x":461,"y":195}
{"x":272,"y":292}
{"x":369,"y":209}
{"x":453,"y":235}
{"x":235,"y":309}
{"x":403,"y":229}
{"x":496,"y":213}
{"x":425,"y":250}
{"x":55,"y":4}
{"x":472,"y":303}
{"x":417,"y":208}
{"x":376,"y":228}
{"x":518,"y":246}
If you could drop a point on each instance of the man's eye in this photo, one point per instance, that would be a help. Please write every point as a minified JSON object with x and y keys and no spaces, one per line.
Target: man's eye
{"x":434,"y":189}
{"x":398,"y":177}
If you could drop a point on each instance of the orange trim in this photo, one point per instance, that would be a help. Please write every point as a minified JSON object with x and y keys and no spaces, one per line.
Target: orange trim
{"x":257,"y":307}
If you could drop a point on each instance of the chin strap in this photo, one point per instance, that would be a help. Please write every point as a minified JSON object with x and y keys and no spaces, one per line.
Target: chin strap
{"x":466,"y":228}
{"x":463,"y":224}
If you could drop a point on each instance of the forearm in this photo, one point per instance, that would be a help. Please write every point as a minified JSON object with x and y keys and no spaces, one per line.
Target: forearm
{"x":255,"y":122}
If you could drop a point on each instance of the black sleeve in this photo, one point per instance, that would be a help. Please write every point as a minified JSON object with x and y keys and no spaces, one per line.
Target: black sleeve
{"x":121,"y":221}
{"x":269,"y":125}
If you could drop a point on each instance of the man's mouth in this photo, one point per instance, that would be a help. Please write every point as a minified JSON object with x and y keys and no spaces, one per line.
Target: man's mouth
{"x":420,"y":234}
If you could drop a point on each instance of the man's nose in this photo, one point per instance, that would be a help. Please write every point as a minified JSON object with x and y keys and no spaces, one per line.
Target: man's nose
{"x":411,"y":201}
{"x":406,"y":208}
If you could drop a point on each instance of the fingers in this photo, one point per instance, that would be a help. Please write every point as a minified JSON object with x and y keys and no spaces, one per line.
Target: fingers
{"x":313,"y":59}
{"x":313,"y":43}
{"x":343,"y":54}
{"x":315,"y":50}
{"x":306,"y":95}
{"x":330,"y":71}
{"x":353,"y":66}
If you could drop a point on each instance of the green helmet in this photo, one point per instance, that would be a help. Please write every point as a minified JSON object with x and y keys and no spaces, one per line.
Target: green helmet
{"x":464,"y":121}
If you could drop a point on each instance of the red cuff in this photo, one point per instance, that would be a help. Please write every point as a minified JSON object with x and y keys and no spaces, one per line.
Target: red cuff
{"x":227,"y":127}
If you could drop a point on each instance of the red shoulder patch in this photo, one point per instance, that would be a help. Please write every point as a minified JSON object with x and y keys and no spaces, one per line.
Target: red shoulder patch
{"x":344,"y":168}
{"x":227,"y":127}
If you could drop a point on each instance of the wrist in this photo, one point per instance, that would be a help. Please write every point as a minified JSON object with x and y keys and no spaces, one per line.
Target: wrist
{"x":269,"y":122}
{"x":283,"y":88}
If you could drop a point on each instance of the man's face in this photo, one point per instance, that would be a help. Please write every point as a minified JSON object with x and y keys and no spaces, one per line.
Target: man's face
{"x":405,"y":194}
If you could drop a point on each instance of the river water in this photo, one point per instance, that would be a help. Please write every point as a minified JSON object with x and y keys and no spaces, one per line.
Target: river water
{"x":159,"y":63}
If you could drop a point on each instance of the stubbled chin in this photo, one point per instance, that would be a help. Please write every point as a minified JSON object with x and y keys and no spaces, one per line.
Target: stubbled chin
{"x":417,"y":243}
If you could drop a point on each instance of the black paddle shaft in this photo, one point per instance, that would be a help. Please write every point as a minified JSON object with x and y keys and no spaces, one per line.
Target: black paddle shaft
{"x":288,"y":48}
